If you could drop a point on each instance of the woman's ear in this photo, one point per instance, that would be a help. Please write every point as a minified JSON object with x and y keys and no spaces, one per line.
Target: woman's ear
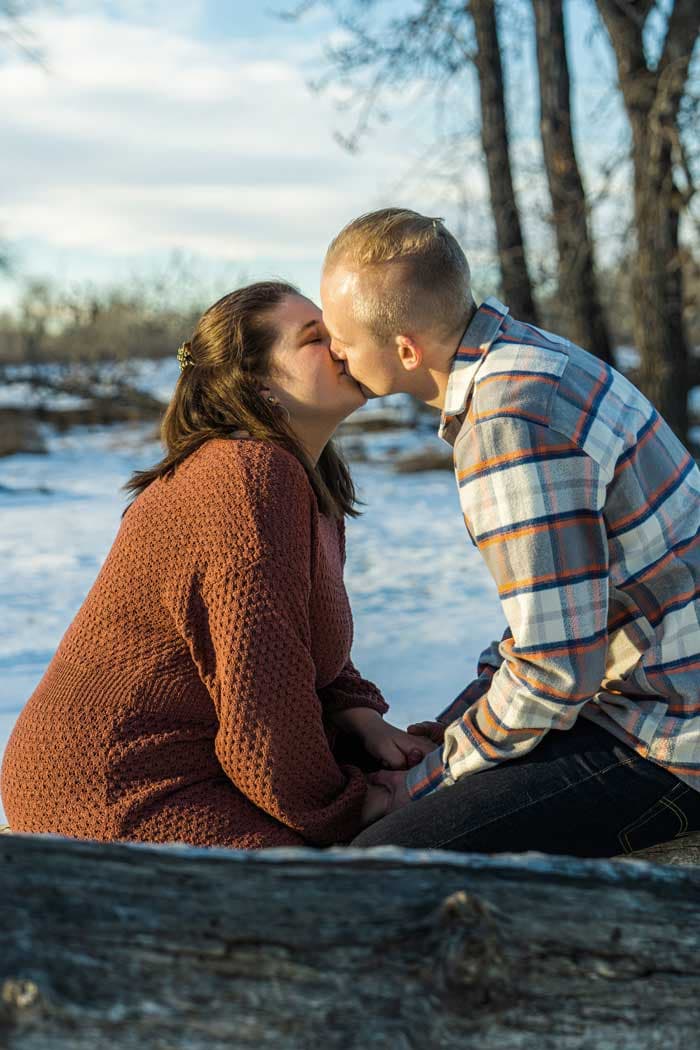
{"x":267,"y":395}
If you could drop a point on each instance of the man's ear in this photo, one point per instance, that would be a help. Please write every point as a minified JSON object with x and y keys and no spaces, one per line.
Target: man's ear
{"x":410,"y":354}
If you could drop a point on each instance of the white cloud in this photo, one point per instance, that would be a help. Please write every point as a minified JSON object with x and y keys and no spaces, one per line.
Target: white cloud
{"x":146,"y":134}
{"x":143,"y":138}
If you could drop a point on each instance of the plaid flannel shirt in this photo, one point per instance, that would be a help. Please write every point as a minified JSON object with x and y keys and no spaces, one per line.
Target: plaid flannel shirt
{"x":586,"y":509}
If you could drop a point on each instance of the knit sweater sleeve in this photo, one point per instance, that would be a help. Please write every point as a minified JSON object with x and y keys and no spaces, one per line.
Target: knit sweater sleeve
{"x":271,"y":740}
{"x":350,"y":690}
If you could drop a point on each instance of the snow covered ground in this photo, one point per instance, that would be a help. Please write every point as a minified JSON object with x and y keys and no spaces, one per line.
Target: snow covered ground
{"x":424,"y":604}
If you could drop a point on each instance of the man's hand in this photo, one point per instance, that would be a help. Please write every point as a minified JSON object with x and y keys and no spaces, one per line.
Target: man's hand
{"x":434,"y":731}
{"x":393,"y":747}
{"x":394,"y":783}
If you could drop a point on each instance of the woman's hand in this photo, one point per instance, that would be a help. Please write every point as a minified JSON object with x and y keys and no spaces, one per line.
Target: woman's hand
{"x":393,"y":747}
{"x":394,"y":783}
{"x":376,"y":804}
{"x":434,"y":731}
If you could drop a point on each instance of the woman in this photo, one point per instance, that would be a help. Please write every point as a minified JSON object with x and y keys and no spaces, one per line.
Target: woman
{"x":197,"y":694}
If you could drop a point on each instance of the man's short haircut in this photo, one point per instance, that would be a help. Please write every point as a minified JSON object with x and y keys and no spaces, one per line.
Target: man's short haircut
{"x":419,"y":275}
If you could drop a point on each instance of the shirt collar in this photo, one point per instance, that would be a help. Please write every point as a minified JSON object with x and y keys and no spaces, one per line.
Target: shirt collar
{"x":474,"y":345}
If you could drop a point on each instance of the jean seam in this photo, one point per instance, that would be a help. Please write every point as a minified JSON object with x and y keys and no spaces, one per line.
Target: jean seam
{"x":544,"y":798}
{"x":683,"y":820}
{"x":643,"y":818}
{"x":662,"y":803}
{"x":634,"y":825}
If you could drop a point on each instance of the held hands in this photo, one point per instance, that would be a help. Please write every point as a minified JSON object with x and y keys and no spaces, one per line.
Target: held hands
{"x":396,"y":749}
{"x":393,"y":781}
{"x":393,"y":747}
{"x":434,"y":731}
{"x":386,"y":792}
{"x":376,"y":804}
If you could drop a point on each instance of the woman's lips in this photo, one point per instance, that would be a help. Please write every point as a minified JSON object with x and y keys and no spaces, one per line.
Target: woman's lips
{"x":343,"y":373}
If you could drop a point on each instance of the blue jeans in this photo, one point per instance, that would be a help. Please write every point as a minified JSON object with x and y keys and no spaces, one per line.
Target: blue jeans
{"x":579,"y":792}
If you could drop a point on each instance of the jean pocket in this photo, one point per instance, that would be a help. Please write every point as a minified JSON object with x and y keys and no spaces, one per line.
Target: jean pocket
{"x":664,"y":820}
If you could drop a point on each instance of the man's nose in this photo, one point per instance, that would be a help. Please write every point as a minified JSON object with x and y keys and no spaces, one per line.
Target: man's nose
{"x":336,"y":354}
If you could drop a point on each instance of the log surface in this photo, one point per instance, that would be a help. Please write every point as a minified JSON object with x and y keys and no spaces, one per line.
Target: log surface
{"x":177,"y":948}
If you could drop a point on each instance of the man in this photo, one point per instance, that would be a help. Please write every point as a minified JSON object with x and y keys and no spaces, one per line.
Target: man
{"x":586,"y":508}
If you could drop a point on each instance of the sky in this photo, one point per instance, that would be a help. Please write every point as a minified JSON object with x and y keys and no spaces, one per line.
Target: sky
{"x":190,"y":127}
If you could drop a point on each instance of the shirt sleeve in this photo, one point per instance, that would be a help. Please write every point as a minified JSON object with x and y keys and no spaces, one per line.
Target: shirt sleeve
{"x":534,"y":503}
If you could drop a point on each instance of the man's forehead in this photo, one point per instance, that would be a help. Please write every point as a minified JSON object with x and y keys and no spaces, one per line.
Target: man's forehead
{"x":342,"y":280}
{"x":349,"y":282}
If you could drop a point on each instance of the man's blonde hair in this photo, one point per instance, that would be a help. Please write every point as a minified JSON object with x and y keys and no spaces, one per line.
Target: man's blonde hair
{"x":419,"y":275}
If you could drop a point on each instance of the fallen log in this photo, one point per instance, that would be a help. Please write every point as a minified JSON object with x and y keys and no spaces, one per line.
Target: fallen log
{"x":124,"y":946}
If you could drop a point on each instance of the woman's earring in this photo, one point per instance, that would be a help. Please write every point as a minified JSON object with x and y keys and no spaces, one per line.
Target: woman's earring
{"x":276,"y":403}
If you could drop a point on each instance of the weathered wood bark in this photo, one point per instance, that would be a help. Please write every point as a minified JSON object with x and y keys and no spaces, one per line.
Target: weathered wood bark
{"x":652,"y":98}
{"x":120,"y":946}
{"x":515,"y":277}
{"x":578,"y":291}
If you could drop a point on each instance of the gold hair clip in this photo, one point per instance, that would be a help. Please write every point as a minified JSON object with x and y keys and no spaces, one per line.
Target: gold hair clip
{"x":184,"y":356}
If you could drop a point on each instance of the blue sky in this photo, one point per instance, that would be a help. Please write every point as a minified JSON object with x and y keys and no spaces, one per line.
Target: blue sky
{"x":190,"y":127}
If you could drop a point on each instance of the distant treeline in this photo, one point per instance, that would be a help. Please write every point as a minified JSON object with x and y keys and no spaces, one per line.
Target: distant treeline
{"x":149,"y":319}
{"x":89,"y":325}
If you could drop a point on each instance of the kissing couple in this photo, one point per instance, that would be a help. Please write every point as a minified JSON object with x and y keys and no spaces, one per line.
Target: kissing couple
{"x":204,"y":692}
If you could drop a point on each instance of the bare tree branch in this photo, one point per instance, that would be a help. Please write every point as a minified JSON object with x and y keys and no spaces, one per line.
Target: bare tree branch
{"x":15,"y":32}
{"x":436,"y":45}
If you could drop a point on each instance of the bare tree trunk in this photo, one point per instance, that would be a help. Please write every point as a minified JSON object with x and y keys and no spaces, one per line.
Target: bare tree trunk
{"x":517,"y":285}
{"x":578,"y":291}
{"x":652,"y":99}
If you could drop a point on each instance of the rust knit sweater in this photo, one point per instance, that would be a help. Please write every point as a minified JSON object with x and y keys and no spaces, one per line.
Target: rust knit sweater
{"x":189,"y":699}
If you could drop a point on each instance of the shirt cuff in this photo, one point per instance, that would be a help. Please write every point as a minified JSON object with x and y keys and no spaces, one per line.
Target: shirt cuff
{"x":427,"y":776}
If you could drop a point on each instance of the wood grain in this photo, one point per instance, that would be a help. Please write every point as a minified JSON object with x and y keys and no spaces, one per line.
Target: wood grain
{"x":125,"y":945}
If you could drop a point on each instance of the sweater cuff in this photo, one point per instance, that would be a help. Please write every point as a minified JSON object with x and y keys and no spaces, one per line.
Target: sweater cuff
{"x":345,"y":702}
{"x":342,"y":695}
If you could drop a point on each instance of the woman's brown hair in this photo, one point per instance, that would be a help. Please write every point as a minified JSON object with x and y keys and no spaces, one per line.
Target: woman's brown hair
{"x":218,"y":393}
